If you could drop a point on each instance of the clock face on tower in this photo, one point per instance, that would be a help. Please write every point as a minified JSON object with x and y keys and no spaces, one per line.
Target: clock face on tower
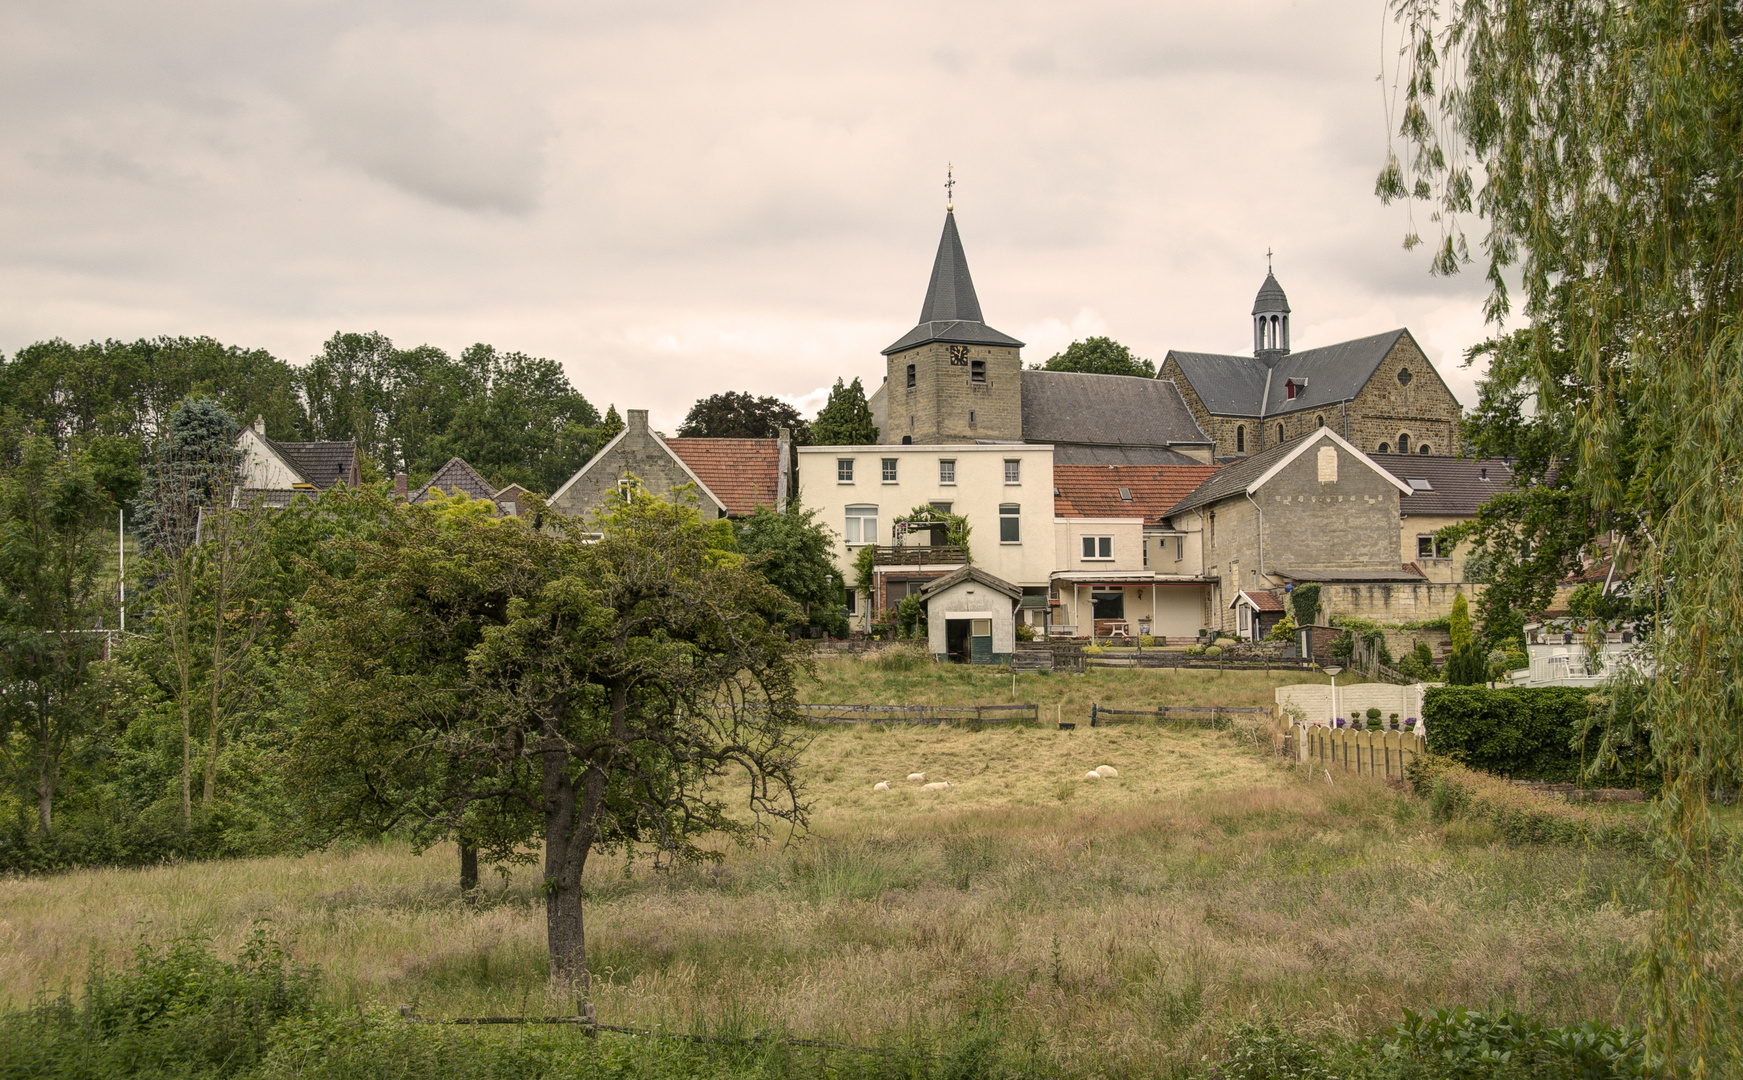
{"x":959,"y":355}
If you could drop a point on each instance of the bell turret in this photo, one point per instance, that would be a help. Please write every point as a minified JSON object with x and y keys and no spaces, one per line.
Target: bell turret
{"x":1270,"y":321}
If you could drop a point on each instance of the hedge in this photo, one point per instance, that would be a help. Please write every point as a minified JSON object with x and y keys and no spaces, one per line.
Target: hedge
{"x":1522,"y":816}
{"x":1530,"y":733}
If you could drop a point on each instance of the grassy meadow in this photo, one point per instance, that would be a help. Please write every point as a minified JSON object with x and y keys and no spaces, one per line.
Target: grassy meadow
{"x":1117,"y":927}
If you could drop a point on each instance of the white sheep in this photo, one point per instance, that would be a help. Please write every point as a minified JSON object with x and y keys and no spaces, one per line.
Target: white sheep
{"x":1092,"y":775}
{"x":1107,"y":772}
{"x":937,"y":785}
{"x":916,"y":777}
{"x":881,"y":785}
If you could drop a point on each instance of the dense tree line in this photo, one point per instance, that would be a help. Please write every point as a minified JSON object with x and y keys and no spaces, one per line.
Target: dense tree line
{"x":516,"y":418}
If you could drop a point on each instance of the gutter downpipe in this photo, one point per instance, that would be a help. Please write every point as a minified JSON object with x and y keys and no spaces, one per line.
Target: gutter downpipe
{"x":1259,"y":510}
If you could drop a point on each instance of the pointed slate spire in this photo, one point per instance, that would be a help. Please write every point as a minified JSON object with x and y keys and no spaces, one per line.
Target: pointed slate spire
{"x":952,"y":310}
{"x":950,"y":294}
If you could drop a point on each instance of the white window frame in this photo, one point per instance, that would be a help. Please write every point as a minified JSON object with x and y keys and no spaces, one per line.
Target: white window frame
{"x":888,"y":469}
{"x":1433,"y":546}
{"x":853,"y":526}
{"x":844,"y":470}
{"x":1098,"y":543}
{"x":1013,"y":472}
{"x":1013,"y":513}
{"x":946,"y":472}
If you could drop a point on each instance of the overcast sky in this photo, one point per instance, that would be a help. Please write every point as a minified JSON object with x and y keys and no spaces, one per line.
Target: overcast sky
{"x":675,"y":199}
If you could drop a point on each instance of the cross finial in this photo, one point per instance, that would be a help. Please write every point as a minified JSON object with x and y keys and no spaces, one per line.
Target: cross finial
{"x":1267,"y":259}
{"x":950,"y":187}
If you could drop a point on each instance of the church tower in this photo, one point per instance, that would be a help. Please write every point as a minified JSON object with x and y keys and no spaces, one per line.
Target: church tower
{"x":953,"y":378}
{"x":1270,"y":321}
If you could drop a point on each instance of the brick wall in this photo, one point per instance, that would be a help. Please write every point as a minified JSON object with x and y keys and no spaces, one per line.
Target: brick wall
{"x":945,"y":405}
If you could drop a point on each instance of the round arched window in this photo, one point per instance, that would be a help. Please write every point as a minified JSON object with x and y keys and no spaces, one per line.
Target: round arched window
{"x":1422,"y":449}
{"x":1320,"y":421}
{"x":1279,"y":432}
{"x":1240,"y":439}
{"x":1404,"y":376}
{"x":1383,"y":449}
{"x":1404,"y":444}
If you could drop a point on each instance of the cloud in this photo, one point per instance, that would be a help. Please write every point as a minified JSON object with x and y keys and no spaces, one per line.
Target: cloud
{"x":437,"y":116}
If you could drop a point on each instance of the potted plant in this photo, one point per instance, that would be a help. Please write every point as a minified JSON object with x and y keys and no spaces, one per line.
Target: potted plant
{"x":1392,"y":721}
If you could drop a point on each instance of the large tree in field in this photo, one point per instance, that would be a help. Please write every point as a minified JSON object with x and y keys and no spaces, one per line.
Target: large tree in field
{"x":53,"y":518}
{"x":1600,"y":141}
{"x":630,"y":693}
{"x":846,"y":419}
{"x":1099,"y":356}
{"x":732,"y":415}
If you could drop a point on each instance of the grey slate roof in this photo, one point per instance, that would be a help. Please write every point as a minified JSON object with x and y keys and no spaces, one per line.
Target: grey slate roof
{"x":1457,"y":486}
{"x":1235,"y":385}
{"x":1270,"y":297}
{"x":454,"y":475}
{"x":322,"y":464}
{"x":952,"y":310}
{"x":1073,"y":407}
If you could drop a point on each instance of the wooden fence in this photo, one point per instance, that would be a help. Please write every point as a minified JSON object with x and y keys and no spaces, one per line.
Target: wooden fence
{"x":1375,"y":753}
{"x":919,"y":714}
{"x":1212,"y":716}
{"x":1174,"y":658}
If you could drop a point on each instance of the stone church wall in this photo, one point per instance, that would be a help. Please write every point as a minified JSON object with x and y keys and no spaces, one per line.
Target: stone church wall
{"x":945,"y":405}
{"x":1423,"y":408}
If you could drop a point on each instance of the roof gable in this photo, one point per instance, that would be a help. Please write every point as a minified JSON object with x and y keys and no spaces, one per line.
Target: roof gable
{"x":323,"y":464}
{"x":969,"y":573}
{"x":1248,"y":475}
{"x":456,"y":475}
{"x":608,"y":451}
{"x":1237,"y":385}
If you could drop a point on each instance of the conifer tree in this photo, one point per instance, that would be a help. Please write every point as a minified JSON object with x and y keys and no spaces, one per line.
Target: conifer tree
{"x":846,"y":420}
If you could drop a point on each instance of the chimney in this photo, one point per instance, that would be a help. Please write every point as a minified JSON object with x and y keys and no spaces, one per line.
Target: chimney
{"x":638,"y":422}
{"x":259,"y":425}
{"x":400,"y":485}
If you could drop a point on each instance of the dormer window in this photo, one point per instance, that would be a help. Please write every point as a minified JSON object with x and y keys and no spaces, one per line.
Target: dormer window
{"x":1289,"y":388}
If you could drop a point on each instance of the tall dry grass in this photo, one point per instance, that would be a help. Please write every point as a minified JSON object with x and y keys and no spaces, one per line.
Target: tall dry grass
{"x":861,"y":680}
{"x":1112,"y":923}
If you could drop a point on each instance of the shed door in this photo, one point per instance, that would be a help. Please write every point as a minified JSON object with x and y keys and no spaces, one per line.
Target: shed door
{"x":980,"y":640}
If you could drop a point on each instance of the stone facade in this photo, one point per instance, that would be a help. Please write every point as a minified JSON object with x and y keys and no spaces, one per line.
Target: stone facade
{"x":1346,"y":524}
{"x":960,"y":393}
{"x":636,"y":452}
{"x":1421,"y":408}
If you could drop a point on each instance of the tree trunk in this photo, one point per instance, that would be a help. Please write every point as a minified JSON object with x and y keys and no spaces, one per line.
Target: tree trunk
{"x":48,"y":771}
{"x":571,"y":818}
{"x":187,"y":757}
{"x":468,"y":866}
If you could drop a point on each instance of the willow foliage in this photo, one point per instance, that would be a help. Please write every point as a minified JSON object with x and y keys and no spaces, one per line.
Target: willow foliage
{"x":1599,"y":139}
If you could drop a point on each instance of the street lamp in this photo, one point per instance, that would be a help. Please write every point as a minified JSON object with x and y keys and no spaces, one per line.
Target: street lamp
{"x":1334,"y":671}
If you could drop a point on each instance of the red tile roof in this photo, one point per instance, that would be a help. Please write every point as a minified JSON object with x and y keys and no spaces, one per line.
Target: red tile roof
{"x":1264,"y":599}
{"x":1094,"y":490}
{"x":743,"y":473}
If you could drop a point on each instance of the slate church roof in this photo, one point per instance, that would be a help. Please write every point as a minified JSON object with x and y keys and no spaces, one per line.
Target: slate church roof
{"x":952,"y":311}
{"x":1236,"y":385}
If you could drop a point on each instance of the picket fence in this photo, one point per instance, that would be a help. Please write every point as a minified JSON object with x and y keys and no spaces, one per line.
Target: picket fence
{"x":1375,"y":753}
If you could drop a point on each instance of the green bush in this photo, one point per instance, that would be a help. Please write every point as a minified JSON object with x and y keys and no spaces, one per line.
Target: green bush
{"x":1213,"y":650}
{"x":1531,"y":733}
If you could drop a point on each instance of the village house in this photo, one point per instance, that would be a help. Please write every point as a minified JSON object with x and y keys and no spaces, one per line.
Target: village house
{"x":730,"y":477}
{"x":1443,"y":491}
{"x":274,"y":472}
{"x":1314,"y":509}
